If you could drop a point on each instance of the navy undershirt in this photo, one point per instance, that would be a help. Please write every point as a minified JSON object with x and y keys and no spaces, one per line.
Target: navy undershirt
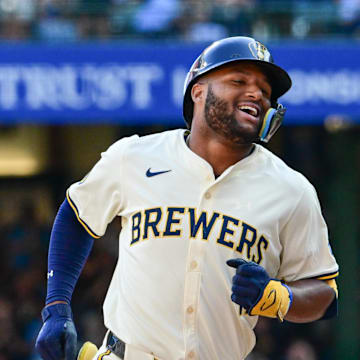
{"x":69,"y":248}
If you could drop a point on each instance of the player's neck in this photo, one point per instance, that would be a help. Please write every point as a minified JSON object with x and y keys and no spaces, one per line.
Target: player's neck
{"x":218,"y":154}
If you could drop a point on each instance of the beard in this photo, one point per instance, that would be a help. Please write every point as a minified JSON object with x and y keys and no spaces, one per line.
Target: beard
{"x":222,"y":120}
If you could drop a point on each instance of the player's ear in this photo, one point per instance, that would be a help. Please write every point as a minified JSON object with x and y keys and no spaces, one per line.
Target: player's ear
{"x":198,"y":92}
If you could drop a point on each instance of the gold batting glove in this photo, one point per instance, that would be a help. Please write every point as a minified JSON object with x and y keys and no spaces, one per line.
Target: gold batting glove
{"x":254,"y":290}
{"x":274,"y":302}
{"x":87,"y":351}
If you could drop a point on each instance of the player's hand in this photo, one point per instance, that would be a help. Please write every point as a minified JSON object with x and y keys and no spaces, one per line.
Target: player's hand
{"x":253,"y":289}
{"x":57,"y":339}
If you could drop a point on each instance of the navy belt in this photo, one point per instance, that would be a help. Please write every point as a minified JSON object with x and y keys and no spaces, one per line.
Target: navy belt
{"x":115,"y":345}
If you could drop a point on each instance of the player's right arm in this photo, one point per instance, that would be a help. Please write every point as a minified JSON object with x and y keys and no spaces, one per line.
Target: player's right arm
{"x":90,"y":205}
{"x":70,"y":245}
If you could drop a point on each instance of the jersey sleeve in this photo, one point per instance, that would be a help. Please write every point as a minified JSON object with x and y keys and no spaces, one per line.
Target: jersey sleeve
{"x":306,"y":249}
{"x":98,"y":198}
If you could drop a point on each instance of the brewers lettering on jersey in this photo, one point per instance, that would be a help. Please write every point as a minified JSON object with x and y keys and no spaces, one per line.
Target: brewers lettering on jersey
{"x":216,"y":229}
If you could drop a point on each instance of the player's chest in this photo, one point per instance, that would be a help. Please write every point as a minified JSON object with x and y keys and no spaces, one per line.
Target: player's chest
{"x":225,"y":216}
{"x":169,"y":191}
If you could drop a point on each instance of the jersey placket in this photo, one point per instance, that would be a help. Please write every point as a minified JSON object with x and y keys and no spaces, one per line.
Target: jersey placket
{"x":196,"y":252}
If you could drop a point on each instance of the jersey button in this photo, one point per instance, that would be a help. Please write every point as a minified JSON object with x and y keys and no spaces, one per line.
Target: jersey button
{"x":190,"y":310}
{"x":207,"y":195}
{"x":193,"y":265}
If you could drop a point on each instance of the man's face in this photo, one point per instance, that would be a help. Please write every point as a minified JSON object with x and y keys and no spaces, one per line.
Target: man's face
{"x":237,"y":99}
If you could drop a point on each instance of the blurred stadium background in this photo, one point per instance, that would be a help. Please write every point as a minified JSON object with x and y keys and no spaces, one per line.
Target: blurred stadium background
{"x":75,"y":75}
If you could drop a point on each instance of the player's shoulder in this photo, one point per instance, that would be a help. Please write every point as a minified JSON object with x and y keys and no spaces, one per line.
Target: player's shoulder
{"x":149,"y":143}
{"x":282,"y":173}
{"x":159,"y":138}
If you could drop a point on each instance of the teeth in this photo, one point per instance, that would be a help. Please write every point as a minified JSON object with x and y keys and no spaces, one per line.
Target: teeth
{"x":249,"y":109}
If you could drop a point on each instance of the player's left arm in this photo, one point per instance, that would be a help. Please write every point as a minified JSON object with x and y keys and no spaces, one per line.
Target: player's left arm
{"x":312,"y":299}
{"x":308,"y":267}
{"x":298,"y":301}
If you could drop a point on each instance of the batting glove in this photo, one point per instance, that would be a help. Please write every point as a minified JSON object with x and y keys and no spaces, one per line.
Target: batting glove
{"x":57,"y":338}
{"x":253,"y":289}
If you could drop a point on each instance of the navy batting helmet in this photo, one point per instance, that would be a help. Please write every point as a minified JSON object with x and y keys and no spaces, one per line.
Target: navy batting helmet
{"x":236,"y":49}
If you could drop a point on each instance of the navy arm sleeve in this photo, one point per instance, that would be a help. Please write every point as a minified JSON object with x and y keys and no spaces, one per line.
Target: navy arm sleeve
{"x":69,"y":248}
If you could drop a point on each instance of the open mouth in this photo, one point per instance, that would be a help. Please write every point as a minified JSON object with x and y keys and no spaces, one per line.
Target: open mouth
{"x":253,"y":111}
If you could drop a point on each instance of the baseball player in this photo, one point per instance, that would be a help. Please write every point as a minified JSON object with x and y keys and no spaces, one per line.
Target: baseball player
{"x":216,"y":230}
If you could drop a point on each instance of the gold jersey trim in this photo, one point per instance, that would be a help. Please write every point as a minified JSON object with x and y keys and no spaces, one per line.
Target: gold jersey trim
{"x":328,"y":277}
{"x":101,"y":356}
{"x":85,"y":226}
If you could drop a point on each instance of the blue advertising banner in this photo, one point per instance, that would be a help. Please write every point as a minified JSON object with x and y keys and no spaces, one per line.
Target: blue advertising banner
{"x":142,"y":83}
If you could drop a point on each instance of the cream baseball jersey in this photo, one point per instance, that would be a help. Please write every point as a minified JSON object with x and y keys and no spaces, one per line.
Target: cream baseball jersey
{"x":170,"y":292}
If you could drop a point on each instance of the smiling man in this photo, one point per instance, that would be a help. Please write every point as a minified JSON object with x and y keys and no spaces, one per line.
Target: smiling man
{"x":243,"y":98}
{"x":216,"y":230}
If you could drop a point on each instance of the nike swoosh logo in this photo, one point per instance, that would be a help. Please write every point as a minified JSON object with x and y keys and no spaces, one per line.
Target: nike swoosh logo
{"x":269,"y":302}
{"x":149,"y":173}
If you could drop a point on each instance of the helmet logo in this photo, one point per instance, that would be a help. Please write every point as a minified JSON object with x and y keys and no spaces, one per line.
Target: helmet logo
{"x":202,"y":63}
{"x":259,"y":51}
